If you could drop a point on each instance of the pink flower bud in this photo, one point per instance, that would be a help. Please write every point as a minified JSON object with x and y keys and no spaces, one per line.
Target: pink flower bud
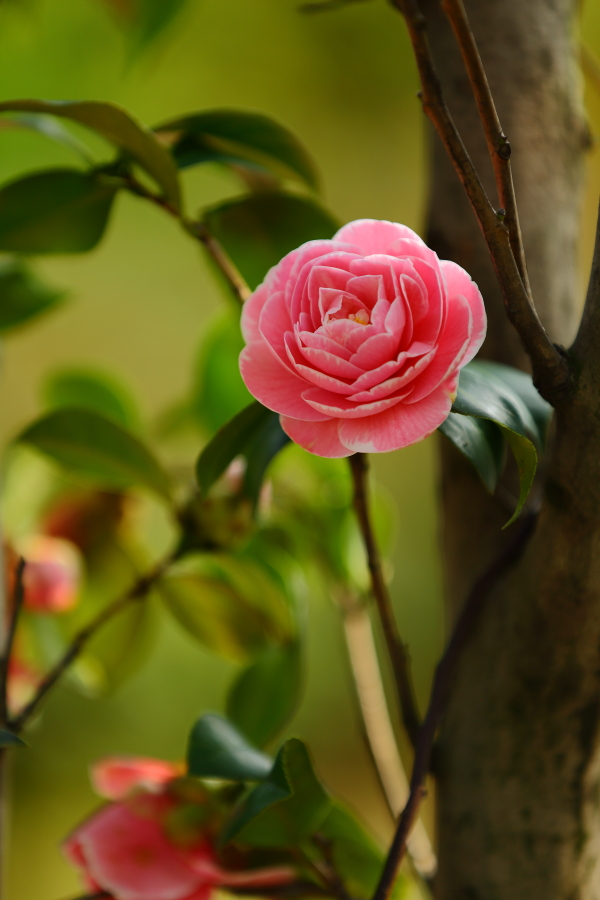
{"x":52,"y":574}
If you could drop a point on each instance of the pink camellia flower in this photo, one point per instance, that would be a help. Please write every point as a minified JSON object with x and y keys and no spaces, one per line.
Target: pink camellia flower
{"x":134,"y":849}
{"x":358,"y":341}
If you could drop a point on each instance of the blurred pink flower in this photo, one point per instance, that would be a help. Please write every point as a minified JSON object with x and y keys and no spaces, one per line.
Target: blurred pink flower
{"x":23,"y":681}
{"x":358,"y":341}
{"x":52,"y":575}
{"x":117,"y":776}
{"x":130,"y":849}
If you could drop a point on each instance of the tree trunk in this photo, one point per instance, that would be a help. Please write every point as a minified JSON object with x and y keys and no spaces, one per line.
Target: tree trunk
{"x":519,"y":760}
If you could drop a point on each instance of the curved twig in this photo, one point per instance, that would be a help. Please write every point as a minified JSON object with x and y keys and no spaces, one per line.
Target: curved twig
{"x":444,"y":674}
{"x":551,"y":369}
{"x":497,"y":142}
{"x":137,"y":591}
{"x":396,"y":650}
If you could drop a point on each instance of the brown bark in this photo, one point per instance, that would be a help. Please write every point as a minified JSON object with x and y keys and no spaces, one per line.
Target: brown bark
{"x":519,"y":748}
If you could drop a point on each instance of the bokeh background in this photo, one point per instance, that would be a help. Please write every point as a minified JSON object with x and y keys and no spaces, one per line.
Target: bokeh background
{"x":139,"y":304}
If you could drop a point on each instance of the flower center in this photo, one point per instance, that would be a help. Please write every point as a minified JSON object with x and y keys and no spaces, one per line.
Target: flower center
{"x":361,"y":316}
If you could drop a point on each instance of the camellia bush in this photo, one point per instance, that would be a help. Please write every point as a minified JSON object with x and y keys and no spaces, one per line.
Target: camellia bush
{"x":335,"y":341}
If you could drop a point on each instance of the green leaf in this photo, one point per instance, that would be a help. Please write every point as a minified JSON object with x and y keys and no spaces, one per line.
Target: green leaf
{"x":254,"y":433}
{"x":93,"y":446}
{"x":8,"y":739}
{"x":257,"y":231}
{"x":55,"y":211}
{"x":288,"y":807}
{"x":50,"y":128}
{"x":217,"y":750}
{"x":230,"y":605}
{"x":119,"y":128}
{"x":240,"y":138}
{"x":93,"y":390}
{"x":521,"y":384}
{"x":356,"y":856}
{"x":218,"y":392}
{"x":487,"y":397}
{"x":481,"y":442}
{"x":22,"y":295}
{"x":265,"y":695}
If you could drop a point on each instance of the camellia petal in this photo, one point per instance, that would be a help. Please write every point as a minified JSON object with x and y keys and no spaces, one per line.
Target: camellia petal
{"x":320,"y":438}
{"x":399,"y":426}
{"x":273,"y":384}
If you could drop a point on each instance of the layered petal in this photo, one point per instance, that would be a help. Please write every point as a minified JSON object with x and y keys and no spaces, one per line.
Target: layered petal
{"x":320,"y":438}
{"x":459,"y":282}
{"x":400,"y":426}
{"x":273,"y":383}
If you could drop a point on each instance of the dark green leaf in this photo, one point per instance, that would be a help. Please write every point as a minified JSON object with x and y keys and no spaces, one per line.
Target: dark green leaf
{"x":257,"y":231}
{"x":265,"y":696}
{"x":118,"y":127}
{"x":55,"y":211}
{"x":229,"y":442}
{"x":8,"y":739}
{"x":217,"y":750}
{"x":259,"y":452}
{"x":230,"y":605}
{"x":487,"y":397}
{"x":522,"y":385}
{"x":93,"y":446}
{"x":356,"y":856}
{"x":240,"y":138}
{"x":22,"y":295}
{"x":481,"y":442}
{"x":288,"y":807}
{"x":94,"y":390}
{"x":219,"y":392}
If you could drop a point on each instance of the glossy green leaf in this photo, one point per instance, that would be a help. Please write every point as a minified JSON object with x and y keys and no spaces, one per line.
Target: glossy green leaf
{"x":355,"y":855}
{"x":264,"y":697}
{"x":286,"y":808}
{"x":217,"y":750}
{"x":55,"y":211}
{"x":258,"y":230}
{"x":521,"y":384}
{"x":22,"y":295}
{"x":119,"y":128}
{"x":486,"y":397}
{"x":90,"y":445}
{"x":94,"y":390}
{"x":241,"y":139}
{"x":8,"y":739}
{"x":219,"y":392}
{"x":481,"y":442}
{"x":230,"y":605}
{"x":254,"y":433}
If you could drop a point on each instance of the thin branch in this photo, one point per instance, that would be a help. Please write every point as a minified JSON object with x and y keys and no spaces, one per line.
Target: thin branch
{"x":137,"y":591}
{"x":497,"y":142}
{"x":396,"y":650}
{"x":379,"y":731}
{"x":15,"y":612}
{"x":200,"y":232}
{"x":442,"y":682}
{"x":551,"y":370}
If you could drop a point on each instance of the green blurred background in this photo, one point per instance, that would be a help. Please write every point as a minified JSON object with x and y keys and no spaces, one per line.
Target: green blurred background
{"x":345,"y":83}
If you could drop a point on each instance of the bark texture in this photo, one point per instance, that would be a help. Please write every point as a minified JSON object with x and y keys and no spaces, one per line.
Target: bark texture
{"x":519,"y":812}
